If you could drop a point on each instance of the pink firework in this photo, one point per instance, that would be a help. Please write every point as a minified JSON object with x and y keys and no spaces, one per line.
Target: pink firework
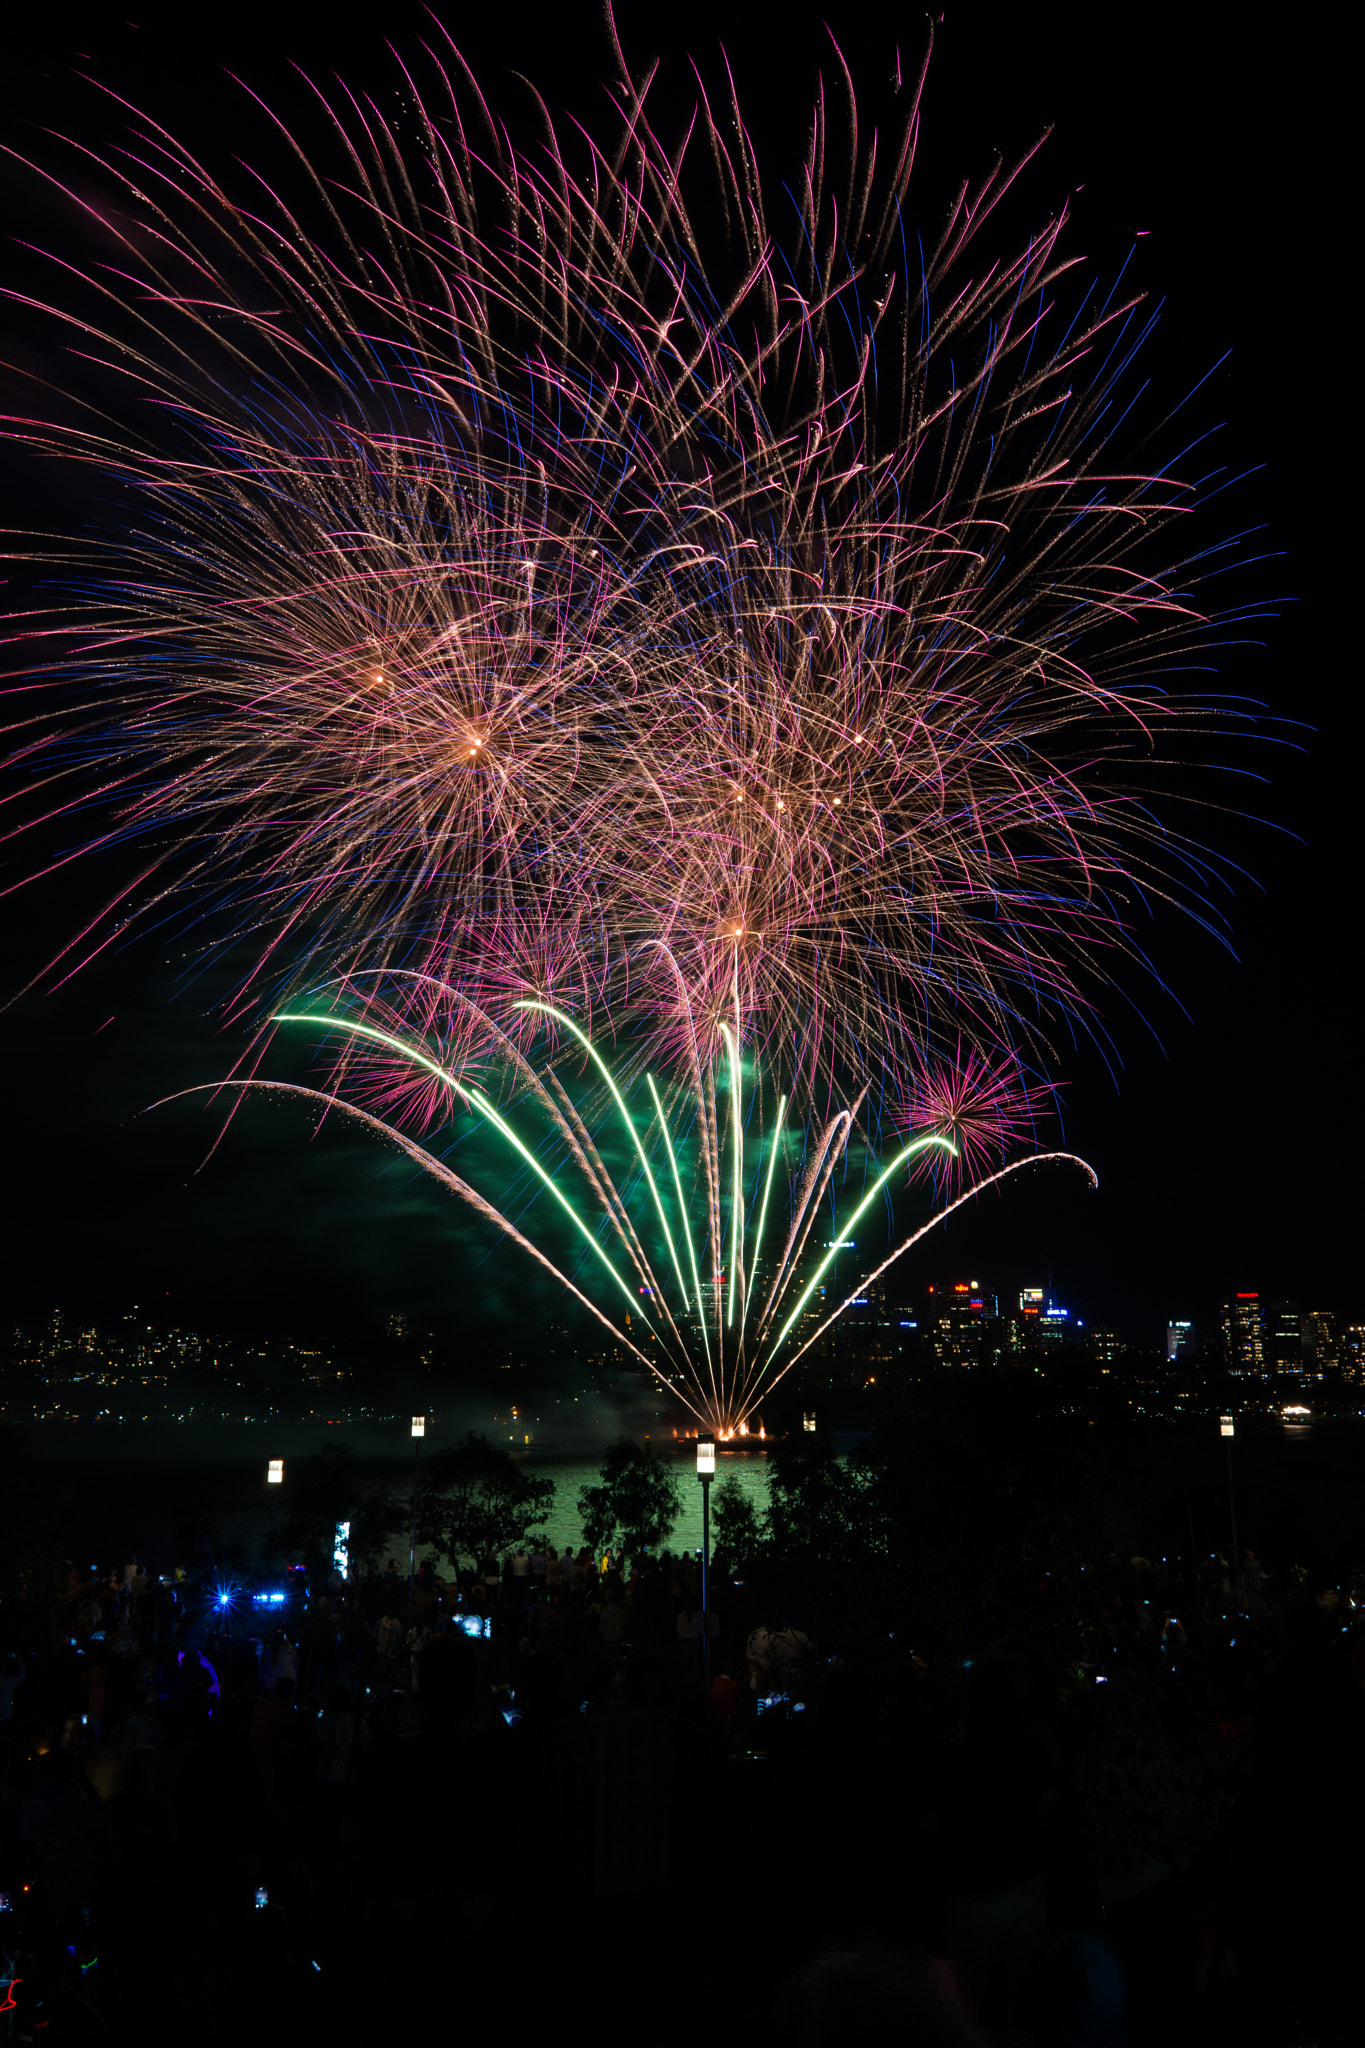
{"x":983,"y":1104}
{"x":611,"y":598}
{"x":523,"y":589}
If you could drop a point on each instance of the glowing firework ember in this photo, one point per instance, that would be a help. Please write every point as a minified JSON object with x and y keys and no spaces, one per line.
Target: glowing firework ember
{"x":590,"y":585}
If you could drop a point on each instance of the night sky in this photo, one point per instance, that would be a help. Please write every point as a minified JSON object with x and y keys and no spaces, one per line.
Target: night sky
{"x":1227,"y":1144}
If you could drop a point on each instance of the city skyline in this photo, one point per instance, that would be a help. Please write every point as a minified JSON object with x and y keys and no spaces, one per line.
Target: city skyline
{"x":138,"y":1369}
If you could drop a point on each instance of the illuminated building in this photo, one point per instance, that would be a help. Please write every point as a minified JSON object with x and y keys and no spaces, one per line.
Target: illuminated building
{"x":1243,"y":1322}
{"x":1353,"y":1354}
{"x":961,"y":1317}
{"x":1181,"y":1341}
{"x":1283,"y":1336}
{"x":1321,"y":1346}
{"x":1055,"y":1326}
{"x":1025,"y":1328}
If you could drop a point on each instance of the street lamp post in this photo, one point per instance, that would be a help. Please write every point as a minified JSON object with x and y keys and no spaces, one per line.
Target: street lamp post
{"x":274,"y":1476}
{"x":1227,"y":1428}
{"x":706,"y":1472}
{"x":419,"y":1430}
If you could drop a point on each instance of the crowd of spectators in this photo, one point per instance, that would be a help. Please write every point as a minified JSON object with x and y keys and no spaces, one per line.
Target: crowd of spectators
{"x":536,"y":1794}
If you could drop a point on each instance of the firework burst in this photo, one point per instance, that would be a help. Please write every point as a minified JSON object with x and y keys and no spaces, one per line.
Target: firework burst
{"x":511,"y":534}
{"x":674,"y":1257}
{"x":592,"y":585}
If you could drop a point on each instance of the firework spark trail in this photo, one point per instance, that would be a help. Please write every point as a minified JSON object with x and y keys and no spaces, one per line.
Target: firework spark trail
{"x":452,"y":1181}
{"x":730,"y":1388}
{"x":916,"y":1236}
{"x":521,"y":576}
{"x":540,"y":599}
{"x":820,"y":1173}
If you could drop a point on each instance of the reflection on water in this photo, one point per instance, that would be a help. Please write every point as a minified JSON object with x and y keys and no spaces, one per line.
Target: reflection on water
{"x":172,"y":1494}
{"x":168,"y":1492}
{"x":572,"y":1475}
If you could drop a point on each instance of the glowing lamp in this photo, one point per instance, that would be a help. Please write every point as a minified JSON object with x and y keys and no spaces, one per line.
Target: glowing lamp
{"x":274,"y":1472}
{"x":706,"y":1456}
{"x":808,"y":1421}
{"x":419,"y":1425}
{"x":1226,"y":1426}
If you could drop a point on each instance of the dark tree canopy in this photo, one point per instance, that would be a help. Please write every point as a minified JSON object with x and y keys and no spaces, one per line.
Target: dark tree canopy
{"x":635,"y":1502}
{"x":474,"y":1499}
{"x":326,"y":1489}
{"x":737,"y":1529}
{"x":826,"y":1510}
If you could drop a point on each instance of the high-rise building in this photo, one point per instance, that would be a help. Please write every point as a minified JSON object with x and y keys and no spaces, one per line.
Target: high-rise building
{"x":1043,"y":1319}
{"x":960,"y":1317}
{"x":1243,"y":1323}
{"x":1321,"y":1344}
{"x":1032,"y":1301}
{"x":1181,"y":1341}
{"x":1056,"y":1325}
{"x":1283,"y":1336}
{"x":1353,"y":1354}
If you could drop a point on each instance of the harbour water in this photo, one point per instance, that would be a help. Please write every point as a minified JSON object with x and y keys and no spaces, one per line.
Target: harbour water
{"x":167,"y":1493}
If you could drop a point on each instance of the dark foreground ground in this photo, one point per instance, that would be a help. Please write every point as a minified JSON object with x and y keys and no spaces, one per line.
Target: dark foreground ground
{"x":1038,"y":1774}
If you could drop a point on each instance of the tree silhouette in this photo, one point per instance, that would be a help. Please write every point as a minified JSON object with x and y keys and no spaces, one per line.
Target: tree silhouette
{"x":636,"y":1499}
{"x":474,"y":1499}
{"x":324,"y":1490}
